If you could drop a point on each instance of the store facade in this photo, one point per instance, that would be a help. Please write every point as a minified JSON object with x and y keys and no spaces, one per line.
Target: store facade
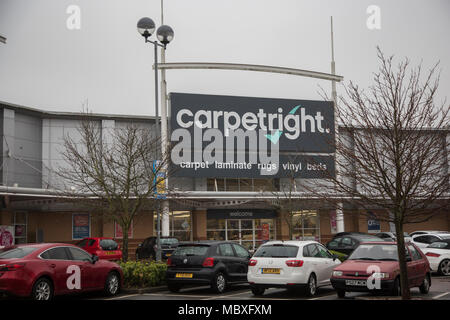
{"x":233,"y":158}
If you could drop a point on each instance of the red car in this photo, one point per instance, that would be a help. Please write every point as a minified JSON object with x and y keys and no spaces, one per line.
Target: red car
{"x":374,"y":267}
{"x":103,"y":248}
{"x":41,"y":271}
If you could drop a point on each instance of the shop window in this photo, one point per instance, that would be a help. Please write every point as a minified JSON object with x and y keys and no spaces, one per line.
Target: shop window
{"x":180,"y":224}
{"x":20,"y":227}
{"x":306,"y":225}
{"x":243,"y":184}
{"x":249,"y":233}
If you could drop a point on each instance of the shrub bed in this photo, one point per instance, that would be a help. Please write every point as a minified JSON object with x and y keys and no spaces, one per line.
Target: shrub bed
{"x":142,"y":274}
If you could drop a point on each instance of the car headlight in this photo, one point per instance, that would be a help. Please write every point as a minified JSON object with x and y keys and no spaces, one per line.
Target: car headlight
{"x":337,"y":273}
{"x":380,"y":275}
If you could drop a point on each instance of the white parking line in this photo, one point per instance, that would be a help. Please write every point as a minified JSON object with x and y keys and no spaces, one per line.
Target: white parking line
{"x":324,"y":296}
{"x":123,"y":297}
{"x":441,"y":295}
{"x":228,"y":295}
{"x":176,"y":295}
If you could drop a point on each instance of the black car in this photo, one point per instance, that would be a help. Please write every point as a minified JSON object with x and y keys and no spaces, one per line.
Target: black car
{"x":218,"y":264}
{"x":147,"y":249}
{"x":346,"y":243}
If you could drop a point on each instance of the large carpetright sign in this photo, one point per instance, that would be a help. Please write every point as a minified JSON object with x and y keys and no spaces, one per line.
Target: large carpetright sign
{"x":228,"y":136}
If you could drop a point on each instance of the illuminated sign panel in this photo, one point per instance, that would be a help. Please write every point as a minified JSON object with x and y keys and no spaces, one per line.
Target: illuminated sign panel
{"x":227,"y":136}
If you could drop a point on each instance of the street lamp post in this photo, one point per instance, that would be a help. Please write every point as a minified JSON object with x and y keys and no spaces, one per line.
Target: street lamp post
{"x":164,"y":34}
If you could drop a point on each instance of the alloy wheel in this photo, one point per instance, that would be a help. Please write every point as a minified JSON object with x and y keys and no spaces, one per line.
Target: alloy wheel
{"x":42,"y":291}
{"x":445,"y":267}
{"x":220,"y":282}
{"x":113,"y":284}
{"x":312,"y":285}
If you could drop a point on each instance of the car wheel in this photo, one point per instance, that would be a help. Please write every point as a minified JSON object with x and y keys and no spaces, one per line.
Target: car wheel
{"x":219,"y":283}
{"x":311,"y":287}
{"x":425,"y":287}
{"x":42,"y":290}
{"x":340,"y":293}
{"x":257,"y":291}
{"x":396,"y":290}
{"x":112,"y":284}
{"x":444,"y":267}
{"x":173,"y":287}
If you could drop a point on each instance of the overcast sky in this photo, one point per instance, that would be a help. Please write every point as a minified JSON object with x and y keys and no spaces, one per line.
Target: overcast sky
{"x":47,"y":66}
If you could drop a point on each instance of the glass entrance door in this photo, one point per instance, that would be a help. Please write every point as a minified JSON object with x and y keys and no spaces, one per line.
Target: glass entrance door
{"x":250,"y":233}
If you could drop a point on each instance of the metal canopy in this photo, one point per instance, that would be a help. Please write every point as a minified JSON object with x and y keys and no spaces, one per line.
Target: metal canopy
{"x":250,"y":67}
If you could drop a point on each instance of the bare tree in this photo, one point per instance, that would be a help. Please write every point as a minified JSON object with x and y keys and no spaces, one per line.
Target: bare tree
{"x":391,"y":150}
{"x":287,"y":199}
{"x":113,"y":170}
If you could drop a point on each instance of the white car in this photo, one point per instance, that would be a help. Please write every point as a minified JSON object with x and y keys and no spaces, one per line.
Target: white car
{"x":438,"y":254}
{"x":415,"y":233}
{"x":291,"y":264}
{"x":423,"y":240}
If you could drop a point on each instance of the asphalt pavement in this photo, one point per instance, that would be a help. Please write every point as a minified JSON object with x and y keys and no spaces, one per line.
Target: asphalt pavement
{"x":440,"y":290}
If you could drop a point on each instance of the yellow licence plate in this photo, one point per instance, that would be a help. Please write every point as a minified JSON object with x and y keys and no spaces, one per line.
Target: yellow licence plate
{"x":271,"y":270}
{"x":110,"y":252}
{"x":183,"y":275}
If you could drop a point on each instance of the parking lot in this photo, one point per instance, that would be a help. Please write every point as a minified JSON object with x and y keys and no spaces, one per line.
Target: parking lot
{"x":440,"y":290}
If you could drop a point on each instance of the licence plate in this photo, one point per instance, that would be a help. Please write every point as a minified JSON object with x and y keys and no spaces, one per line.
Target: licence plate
{"x":359,"y":283}
{"x":183,"y":275}
{"x":271,"y":270}
{"x":110,"y":252}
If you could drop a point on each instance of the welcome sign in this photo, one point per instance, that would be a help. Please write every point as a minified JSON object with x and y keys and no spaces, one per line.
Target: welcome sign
{"x":228,"y":136}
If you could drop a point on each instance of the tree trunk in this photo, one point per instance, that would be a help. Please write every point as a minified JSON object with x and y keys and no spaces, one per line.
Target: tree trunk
{"x":125,"y":243}
{"x":404,"y":283}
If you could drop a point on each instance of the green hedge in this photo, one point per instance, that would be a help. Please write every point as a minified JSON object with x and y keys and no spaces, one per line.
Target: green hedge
{"x":142,"y":274}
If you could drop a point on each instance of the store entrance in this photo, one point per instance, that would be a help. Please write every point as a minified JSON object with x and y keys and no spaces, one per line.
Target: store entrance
{"x":250,"y":233}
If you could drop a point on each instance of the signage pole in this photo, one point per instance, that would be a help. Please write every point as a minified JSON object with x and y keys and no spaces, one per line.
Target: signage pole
{"x":164,"y":133}
{"x":339,"y":205}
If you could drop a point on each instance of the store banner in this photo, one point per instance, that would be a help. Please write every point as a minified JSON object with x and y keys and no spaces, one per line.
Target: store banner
{"x":81,"y":225}
{"x":240,"y":214}
{"x":227,"y":136}
{"x":118,"y":232}
{"x":333,"y":223}
{"x":373,"y":224}
{"x":6,"y":236}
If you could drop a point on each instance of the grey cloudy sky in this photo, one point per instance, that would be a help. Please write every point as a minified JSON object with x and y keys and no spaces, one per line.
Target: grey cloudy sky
{"x":45,"y":65}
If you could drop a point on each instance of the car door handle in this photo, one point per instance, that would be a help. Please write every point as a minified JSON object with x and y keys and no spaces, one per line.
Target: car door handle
{"x":53,"y":265}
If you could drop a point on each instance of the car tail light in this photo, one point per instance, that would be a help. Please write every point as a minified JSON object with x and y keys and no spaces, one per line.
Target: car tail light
{"x":294,"y":263}
{"x":432,"y":254}
{"x":208,"y":262}
{"x":11,"y":267}
{"x":252,"y":262}
{"x":169,"y":262}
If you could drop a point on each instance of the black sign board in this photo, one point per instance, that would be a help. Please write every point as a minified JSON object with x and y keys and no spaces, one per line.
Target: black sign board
{"x":240,"y":214}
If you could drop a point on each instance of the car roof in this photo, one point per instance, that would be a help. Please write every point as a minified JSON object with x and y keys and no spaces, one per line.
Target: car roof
{"x":291,"y":242}
{"x":205,"y":242}
{"x":432,"y":234}
{"x":432,"y":231}
{"x":379,"y":242}
{"x":42,"y":245}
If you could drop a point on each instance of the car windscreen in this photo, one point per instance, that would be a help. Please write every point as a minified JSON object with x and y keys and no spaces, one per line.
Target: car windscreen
{"x":375,"y":252}
{"x":16,"y":252}
{"x":194,"y":250}
{"x":108,"y":244}
{"x":277,"y":251}
{"x":169,"y":241}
